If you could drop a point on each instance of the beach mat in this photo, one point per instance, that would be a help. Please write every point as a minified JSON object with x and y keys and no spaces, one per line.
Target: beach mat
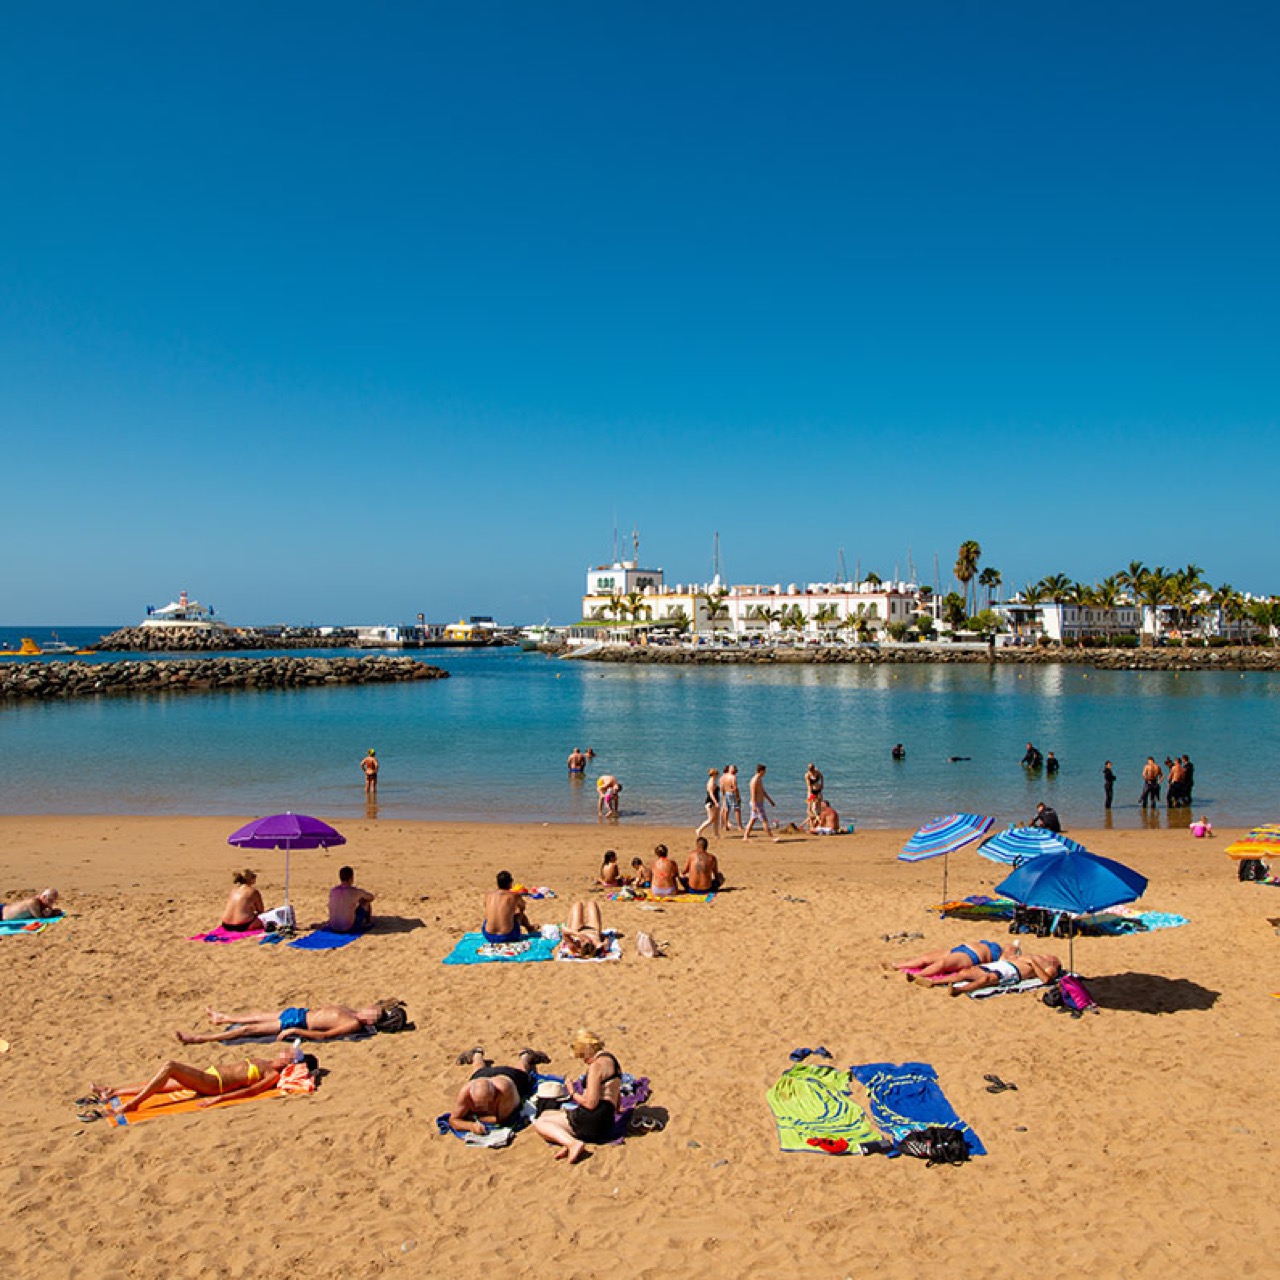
{"x":175,"y":1104}
{"x":326,"y":940}
{"x":471,"y":948}
{"x":651,"y":899}
{"x":906,"y":1097}
{"x":977,"y":907}
{"x":11,"y":928}
{"x":225,"y":935}
{"x":499,"y":1135}
{"x":811,"y":1101}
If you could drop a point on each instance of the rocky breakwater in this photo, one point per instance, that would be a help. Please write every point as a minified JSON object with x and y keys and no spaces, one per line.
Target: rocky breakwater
{"x":214,"y":640}
{"x":46,"y":680}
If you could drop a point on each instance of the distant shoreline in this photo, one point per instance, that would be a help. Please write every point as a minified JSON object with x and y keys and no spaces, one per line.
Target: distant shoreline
{"x":1169,"y":658}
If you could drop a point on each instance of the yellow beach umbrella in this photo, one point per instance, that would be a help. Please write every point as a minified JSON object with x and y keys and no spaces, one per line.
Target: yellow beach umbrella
{"x":1255,"y":846}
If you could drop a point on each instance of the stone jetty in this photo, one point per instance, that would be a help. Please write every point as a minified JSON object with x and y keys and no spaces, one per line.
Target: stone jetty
{"x":1164,"y":658}
{"x":60,"y":679}
{"x":175,"y":639}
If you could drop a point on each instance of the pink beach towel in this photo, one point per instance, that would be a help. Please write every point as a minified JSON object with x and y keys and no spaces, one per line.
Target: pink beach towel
{"x":225,"y":935}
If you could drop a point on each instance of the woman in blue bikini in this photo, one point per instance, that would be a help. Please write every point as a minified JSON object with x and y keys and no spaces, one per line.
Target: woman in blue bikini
{"x":958,"y":958}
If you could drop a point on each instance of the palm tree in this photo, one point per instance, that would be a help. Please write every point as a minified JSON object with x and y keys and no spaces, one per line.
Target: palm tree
{"x":824,"y":615}
{"x":1130,"y":579}
{"x":1154,"y":589}
{"x":873,"y":579}
{"x":1056,"y":588}
{"x":714,"y":598}
{"x":635,"y":605}
{"x":1106,"y":595}
{"x":967,"y":566}
{"x":991,"y":580}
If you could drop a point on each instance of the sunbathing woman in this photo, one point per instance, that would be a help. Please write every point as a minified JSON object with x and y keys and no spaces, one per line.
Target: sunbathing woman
{"x":245,"y":904}
{"x":961,"y":957}
{"x":592,"y":1119}
{"x":583,"y":936}
{"x":243,"y":1078}
{"x":327,"y":1022}
{"x":997,"y":973}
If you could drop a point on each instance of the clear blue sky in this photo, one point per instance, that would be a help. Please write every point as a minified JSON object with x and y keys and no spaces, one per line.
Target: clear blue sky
{"x":338,"y":312}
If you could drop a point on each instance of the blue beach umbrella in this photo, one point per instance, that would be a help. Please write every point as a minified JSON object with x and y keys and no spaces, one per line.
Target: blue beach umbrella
{"x":1076,"y":884}
{"x":1016,"y":845}
{"x":943,"y":836}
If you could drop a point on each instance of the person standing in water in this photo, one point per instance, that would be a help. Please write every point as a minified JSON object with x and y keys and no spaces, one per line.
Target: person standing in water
{"x":369,"y":766}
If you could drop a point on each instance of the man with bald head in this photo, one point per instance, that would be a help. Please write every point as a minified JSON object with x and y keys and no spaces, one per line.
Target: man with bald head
{"x":493,"y":1094}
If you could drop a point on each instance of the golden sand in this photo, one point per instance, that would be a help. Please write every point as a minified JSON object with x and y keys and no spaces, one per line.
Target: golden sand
{"x":1138,"y":1142}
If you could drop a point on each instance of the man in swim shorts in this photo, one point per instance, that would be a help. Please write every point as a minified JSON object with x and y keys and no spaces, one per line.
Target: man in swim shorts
{"x":504,"y":914}
{"x":493,"y":1094}
{"x":350,"y":907}
{"x":327,"y":1022}
{"x":730,"y":798}
{"x":44,"y":906}
{"x":759,"y":798}
{"x":577,"y":762}
{"x":243,"y":1078}
{"x":1005,"y":972}
{"x":701,"y":869}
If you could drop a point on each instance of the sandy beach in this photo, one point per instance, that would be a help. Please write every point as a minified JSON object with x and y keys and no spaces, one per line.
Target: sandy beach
{"x":1137,"y":1140}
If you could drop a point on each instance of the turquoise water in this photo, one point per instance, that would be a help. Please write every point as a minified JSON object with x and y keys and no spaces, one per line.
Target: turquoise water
{"x":490,"y":743}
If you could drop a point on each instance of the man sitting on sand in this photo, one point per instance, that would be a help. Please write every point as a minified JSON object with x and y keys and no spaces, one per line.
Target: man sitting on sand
{"x":665,"y":872}
{"x":961,"y":957}
{"x":493,"y":1094}
{"x":701,"y":870}
{"x":1047,"y":819}
{"x":44,"y":906}
{"x":1006,"y":972}
{"x":243,"y":1078}
{"x":327,"y":1022}
{"x":504,"y":915}
{"x":350,"y":907}
{"x":827,"y":823}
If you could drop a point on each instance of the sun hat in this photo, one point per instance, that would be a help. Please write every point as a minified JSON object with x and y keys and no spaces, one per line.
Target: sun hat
{"x":552,"y":1091}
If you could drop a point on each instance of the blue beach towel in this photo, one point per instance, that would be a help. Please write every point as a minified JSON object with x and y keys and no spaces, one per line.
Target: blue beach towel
{"x":907,"y":1097}
{"x":471,"y":948}
{"x":8,"y":928}
{"x":498,"y":1135}
{"x":325,"y":940}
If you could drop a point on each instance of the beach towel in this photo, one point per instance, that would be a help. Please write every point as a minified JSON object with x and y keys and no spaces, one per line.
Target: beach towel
{"x":652,"y":899}
{"x":977,"y":907}
{"x":10,"y":928}
{"x":172,"y":1104}
{"x":907,"y":1097}
{"x":471,"y":948}
{"x":1117,"y":922}
{"x":326,"y":940}
{"x":810,"y":1101}
{"x":225,"y":935}
{"x":1027,"y":984}
{"x":613,"y":951}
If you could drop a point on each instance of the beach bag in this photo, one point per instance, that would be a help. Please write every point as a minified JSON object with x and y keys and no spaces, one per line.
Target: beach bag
{"x":646,"y":946}
{"x":1252,"y":869}
{"x":1071,"y":996}
{"x":937,"y":1145}
{"x":278,"y":920}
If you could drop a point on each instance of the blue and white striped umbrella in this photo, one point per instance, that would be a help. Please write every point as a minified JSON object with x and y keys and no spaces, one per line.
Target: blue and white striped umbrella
{"x":1016,"y":845}
{"x":945,"y":835}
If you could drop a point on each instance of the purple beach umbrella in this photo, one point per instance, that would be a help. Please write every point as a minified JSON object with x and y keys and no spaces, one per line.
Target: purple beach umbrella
{"x":286,"y":831}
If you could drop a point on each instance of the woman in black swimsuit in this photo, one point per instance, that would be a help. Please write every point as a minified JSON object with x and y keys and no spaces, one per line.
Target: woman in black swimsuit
{"x":712,"y":803}
{"x":597,"y":1105}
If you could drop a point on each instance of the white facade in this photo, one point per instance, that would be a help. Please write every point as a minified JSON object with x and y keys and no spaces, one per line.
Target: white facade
{"x":621,"y":578}
{"x":182,"y":612}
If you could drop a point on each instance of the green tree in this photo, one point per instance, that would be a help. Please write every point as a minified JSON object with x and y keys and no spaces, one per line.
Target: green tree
{"x":967,"y":565}
{"x":953,"y":609}
{"x":991,"y":580}
{"x":1153,"y":592}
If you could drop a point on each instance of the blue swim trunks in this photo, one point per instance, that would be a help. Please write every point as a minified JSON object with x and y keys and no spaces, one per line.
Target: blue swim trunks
{"x":513,"y":934}
{"x":293,"y":1020}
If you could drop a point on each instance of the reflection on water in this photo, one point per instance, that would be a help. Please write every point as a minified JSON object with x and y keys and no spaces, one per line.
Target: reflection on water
{"x":492,"y":742}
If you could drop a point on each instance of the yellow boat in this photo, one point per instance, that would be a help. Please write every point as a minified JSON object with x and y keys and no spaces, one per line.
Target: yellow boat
{"x":30,"y":649}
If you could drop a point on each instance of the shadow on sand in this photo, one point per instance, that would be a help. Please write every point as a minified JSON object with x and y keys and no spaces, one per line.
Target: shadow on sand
{"x":1151,"y":993}
{"x":395,"y":924}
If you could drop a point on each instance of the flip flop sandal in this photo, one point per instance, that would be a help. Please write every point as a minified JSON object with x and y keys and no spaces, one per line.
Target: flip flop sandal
{"x":535,"y":1056}
{"x":88,"y":1117}
{"x":467,"y":1054}
{"x":996,"y":1085}
{"x":89,"y":1100}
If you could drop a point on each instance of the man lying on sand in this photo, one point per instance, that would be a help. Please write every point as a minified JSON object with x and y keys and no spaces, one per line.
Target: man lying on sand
{"x":243,"y":1078}
{"x":328,"y":1022}
{"x":493,"y":1094}
{"x":504,"y":915}
{"x":44,"y":906}
{"x":997,"y":973}
{"x":961,"y":957}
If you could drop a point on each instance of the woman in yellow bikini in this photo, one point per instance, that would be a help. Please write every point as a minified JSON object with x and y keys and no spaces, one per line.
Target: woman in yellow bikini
{"x":243,"y":1078}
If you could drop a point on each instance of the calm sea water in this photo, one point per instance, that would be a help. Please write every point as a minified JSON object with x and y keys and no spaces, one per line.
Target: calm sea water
{"x":490,"y":743}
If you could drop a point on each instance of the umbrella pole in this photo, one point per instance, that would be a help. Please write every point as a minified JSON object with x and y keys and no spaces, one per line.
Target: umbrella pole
{"x":1071,"y":944}
{"x":945,"y":899}
{"x":286,"y":873}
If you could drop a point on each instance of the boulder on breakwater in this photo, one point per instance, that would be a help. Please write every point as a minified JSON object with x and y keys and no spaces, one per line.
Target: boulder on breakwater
{"x":45,"y":680}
